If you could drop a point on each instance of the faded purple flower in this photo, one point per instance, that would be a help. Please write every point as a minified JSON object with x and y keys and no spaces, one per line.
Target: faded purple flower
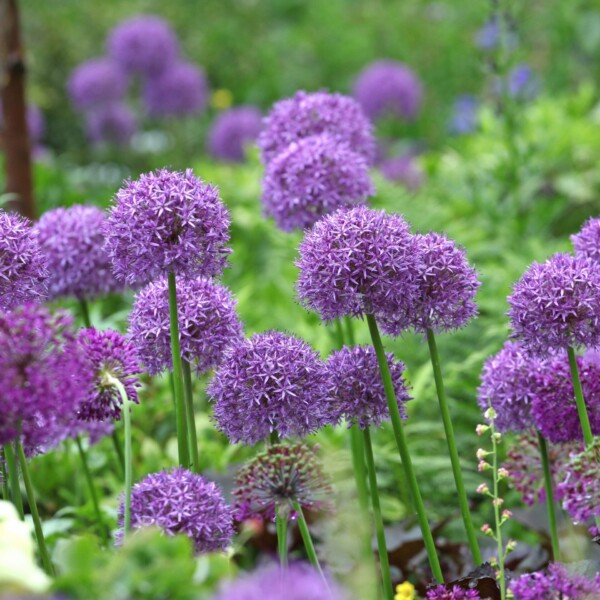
{"x":182,"y":89}
{"x":112,"y":124}
{"x":356,"y":386}
{"x":522,"y":83}
{"x":271,"y":382}
{"x":307,"y":114}
{"x":487,"y":36}
{"x":23,"y":271}
{"x":208,"y":323}
{"x":464,"y":116}
{"x":388,"y":88}
{"x":167,"y":221}
{"x":71,"y":240}
{"x":232,"y":131}
{"x":97,"y":82}
{"x":358,"y":261}
{"x":94,"y":431}
{"x":441,"y":592}
{"x":144,"y":44}
{"x":556,"y":304}
{"x":179,"y":501}
{"x":587,"y":241}
{"x":403,"y":169}
{"x":311,"y":178}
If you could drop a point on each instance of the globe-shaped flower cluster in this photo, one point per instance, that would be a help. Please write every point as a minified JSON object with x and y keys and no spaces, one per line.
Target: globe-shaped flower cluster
{"x":115,"y":124}
{"x":587,"y":241}
{"x":232,"y":131}
{"x":96,"y":83}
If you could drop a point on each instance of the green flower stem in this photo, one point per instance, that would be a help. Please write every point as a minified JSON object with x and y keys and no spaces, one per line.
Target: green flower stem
{"x":281,"y":523}
{"x":579,"y":401}
{"x":384,"y":561}
{"x":37,"y":523}
{"x":403,"y":449}
{"x":339,"y":334}
{"x":85,"y":312}
{"x":182,"y":441}
{"x":190,"y":415}
{"x":349,"y":331}
{"x":549,"y":497}
{"x":452,"y":449}
{"x":307,"y":539}
{"x":92,"y":488}
{"x":497,"y":517}
{"x":4,"y":475}
{"x":13,"y":480}
{"x":358,"y":463}
{"x":119,"y":452}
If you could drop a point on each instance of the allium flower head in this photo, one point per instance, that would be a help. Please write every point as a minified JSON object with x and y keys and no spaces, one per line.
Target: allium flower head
{"x":93,"y":431}
{"x":72,"y":240}
{"x":108,"y":354}
{"x":179,"y":501}
{"x":232,"y":131}
{"x":307,"y":114}
{"x":358,"y":261}
{"x":357,"y":388}
{"x":113,"y":124}
{"x":23,"y":270}
{"x":182,"y":89}
{"x":403,"y":169}
{"x":556,"y":304}
{"x":278,"y":477}
{"x":298,"y":581}
{"x":587,"y":241}
{"x":441,"y":592}
{"x":311,"y":178}
{"x":271,"y":382}
{"x":388,"y":88}
{"x":464,"y":115}
{"x":97,"y":82}
{"x":167,"y":221}
{"x":144,"y":44}
{"x":43,"y":375}
{"x":208,"y":323}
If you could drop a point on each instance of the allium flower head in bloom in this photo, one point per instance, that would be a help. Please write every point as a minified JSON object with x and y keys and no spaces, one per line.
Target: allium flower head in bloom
{"x":180,"y":90}
{"x":23,"y":269}
{"x":271,"y":382}
{"x":72,"y":240}
{"x":587,"y":241}
{"x":388,"y":88}
{"x":298,"y":581}
{"x":179,"y":501}
{"x":113,"y":124}
{"x":144,"y":44}
{"x":307,"y":114}
{"x":357,"y":388}
{"x":278,"y":477}
{"x":108,"y":354}
{"x":402,"y":169}
{"x":311,"y":178}
{"x":167,"y":221}
{"x":232,"y":131}
{"x":208,"y":323}
{"x":556,"y":304}
{"x":358,"y":261}
{"x":97,"y":82}
{"x":43,"y":375}
{"x":441,"y":592}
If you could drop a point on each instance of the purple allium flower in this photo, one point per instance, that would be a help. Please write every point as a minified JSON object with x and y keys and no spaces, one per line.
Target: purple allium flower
{"x":179,"y":501}
{"x":555,"y":584}
{"x":311,"y":178}
{"x":232,"y":130}
{"x":553,"y":404}
{"x":208,"y":323}
{"x":113,"y":124}
{"x":97,"y":82}
{"x":587,"y":241}
{"x":23,"y":270}
{"x":182,"y":89}
{"x":556,"y":304}
{"x":357,"y":388}
{"x":167,"y":221}
{"x":94,"y":431}
{"x":388,"y":88}
{"x":43,"y":374}
{"x":441,"y":592}
{"x":307,"y":114}
{"x":108,"y":354}
{"x":278,"y":477}
{"x":446,"y":289}
{"x":71,"y":240}
{"x":358,"y":261}
{"x":403,"y":169}
{"x":298,"y":581}
{"x":271,"y":382}
{"x":464,"y":115}
{"x":144,"y":44}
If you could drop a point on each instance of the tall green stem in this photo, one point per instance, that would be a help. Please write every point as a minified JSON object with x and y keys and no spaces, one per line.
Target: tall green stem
{"x":182,"y":441}
{"x":190,"y":415}
{"x":349,"y":331}
{"x":549,"y":497}
{"x":497,"y":518}
{"x":118,"y":451}
{"x":281,"y":522}
{"x":4,"y":476}
{"x":13,"y":479}
{"x":452,"y":449}
{"x":384,"y":560}
{"x":403,"y":449}
{"x":35,"y":515}
{"x":579,"y":401}
{"x":307,"y":539}
{"x":85,"y":312}
{"x":358,"y":463}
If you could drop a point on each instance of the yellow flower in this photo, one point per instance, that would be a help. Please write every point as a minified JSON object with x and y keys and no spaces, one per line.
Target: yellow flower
{"x":221,"y":99}
{"x":405,"y":591}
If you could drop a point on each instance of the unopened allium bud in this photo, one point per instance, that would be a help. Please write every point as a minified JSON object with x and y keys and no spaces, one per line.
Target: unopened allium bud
{"x":483,"y":489}
{"x":483,"y":466}
{"x":481,"y":454}
{"x":497,"y":437}
{"x":486,"y":529}
{"x":506,"y":514}
{"x":490,"y":414}
{"x":481,"y":429}
{"x":498,"y":502}
{"x":502,"y":473}
{"x":510,"y":546}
